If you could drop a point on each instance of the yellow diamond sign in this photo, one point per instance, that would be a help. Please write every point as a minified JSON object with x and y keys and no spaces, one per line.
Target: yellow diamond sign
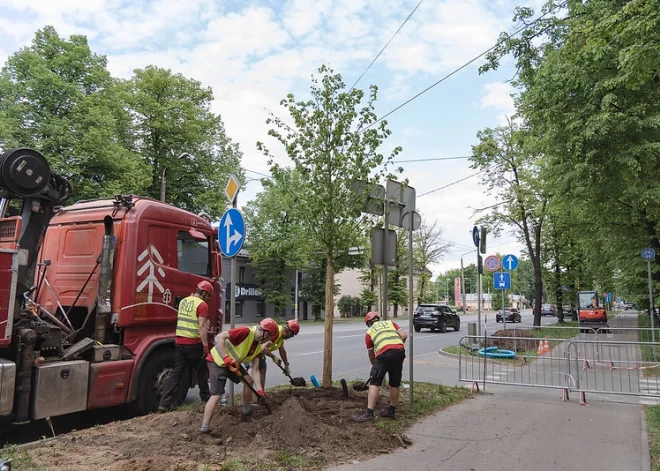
{"x":231,"y":190}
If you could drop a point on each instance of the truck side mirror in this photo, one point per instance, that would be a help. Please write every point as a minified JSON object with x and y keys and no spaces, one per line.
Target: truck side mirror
{"x":216,"y":264}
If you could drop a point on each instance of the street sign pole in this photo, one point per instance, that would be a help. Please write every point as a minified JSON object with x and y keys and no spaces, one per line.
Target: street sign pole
{"x":386,"y":261}
{"x":648,"y":266}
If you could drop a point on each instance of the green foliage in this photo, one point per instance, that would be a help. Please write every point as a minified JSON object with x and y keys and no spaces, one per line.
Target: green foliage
{"x":349,"y":306}
{"x":170,"y":116}
{"x":334,"y":141}
{"x":428,"y":248}
{"x":58,"y":97}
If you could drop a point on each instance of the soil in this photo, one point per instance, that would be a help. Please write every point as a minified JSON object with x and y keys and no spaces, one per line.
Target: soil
{"x":511,"y":344}
{"x":312,"y":423}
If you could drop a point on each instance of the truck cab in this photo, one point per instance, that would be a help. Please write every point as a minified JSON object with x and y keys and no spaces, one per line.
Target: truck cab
{"x":92,"y":324}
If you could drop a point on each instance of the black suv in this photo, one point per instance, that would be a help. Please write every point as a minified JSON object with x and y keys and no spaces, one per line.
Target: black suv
{"x":435,"y":316}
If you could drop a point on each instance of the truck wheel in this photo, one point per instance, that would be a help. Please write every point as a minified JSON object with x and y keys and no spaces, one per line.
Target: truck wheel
{"x":152,"y":380}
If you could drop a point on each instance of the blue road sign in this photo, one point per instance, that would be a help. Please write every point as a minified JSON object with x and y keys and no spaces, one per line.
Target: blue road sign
{"x":231,"y":233}
{"x":510,"y":262}
{"x":502,"y":280}
{"x":475,"y":236}
{"x":648,"y":254}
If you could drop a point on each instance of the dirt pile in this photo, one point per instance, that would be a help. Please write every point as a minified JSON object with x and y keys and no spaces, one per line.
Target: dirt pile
{"x":311,"y":423}
{"x":513,"y":342}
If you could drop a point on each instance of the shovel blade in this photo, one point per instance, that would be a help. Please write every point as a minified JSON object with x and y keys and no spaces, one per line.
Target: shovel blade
{"x":299,"y":381}
{"x":360,"y":386}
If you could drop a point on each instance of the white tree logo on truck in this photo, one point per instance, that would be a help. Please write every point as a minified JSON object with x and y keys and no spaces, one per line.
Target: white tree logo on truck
{"x":151,"y":280}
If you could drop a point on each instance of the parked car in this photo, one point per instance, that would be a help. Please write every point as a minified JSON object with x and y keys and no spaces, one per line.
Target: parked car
{"x":435,"y":316}
{"x":511,"y":314}
{"x":547,"y":310}
{"x":628,"y":306}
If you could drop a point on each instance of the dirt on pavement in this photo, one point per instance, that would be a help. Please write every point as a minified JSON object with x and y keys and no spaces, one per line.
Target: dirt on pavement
{"x":312,"y":423}
{"x":512,"y":342}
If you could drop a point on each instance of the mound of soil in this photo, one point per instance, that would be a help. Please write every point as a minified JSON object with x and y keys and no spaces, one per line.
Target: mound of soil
{"x":512,"y":342}
{"x":313,"y":423}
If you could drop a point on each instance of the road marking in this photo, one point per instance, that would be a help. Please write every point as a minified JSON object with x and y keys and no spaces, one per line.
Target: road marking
{"x":349,"y":336}
{"x":310,"y":353}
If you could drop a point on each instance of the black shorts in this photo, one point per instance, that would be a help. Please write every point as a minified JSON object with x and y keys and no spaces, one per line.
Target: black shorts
{"x":262,"y":364}
{"x":390,"y":362}
{"x":218,"y":378}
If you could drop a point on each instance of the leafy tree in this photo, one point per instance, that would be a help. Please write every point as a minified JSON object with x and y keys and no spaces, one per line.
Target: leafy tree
{"x":277,"y":240}
{"x":176,"y":134}
{"x":504,"y":154}
{"x":428,"y":248}
{"x":332,"y":144}
{"x":58,"y":97}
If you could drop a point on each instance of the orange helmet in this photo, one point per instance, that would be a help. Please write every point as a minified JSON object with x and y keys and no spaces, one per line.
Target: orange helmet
{"x":270,"y":326}
{"x":293,"y":326}
{"x":205,"y":286}
{"x":370,"y":317}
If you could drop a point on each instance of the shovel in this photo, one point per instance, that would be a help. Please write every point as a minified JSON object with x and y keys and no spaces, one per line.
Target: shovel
{"x":297,"y":381}
{"x":242,"y":373}
{"x":361,"y":385}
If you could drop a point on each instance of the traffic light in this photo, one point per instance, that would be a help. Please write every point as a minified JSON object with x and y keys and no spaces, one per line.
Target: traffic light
{"x":482,"y":240}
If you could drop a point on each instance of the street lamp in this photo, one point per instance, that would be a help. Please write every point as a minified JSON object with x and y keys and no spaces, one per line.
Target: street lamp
{"x":163,"y":181}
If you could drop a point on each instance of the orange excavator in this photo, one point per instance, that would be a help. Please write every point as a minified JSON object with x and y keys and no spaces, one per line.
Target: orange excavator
{"x":590,"y":313}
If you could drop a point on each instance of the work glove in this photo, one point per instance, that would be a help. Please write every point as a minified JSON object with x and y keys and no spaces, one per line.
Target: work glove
{"x":261,"y":395}
{"x":231,"y":364}
{"x":277,"y":361}
{"x":287,"y":368}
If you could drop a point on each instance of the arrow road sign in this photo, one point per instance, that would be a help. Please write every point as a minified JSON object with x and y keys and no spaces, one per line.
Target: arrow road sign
{"x":502,"y":280}
{"x":492,"y":263}
{"x":231,"y":233}
{"x":648,"y":254}
{"x":510,"y":262}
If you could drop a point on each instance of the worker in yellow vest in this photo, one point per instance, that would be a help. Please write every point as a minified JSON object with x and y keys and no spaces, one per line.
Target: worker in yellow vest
{"x":289,"y":330}
{"x":385,"y":347}
{"x":191,"y":344}
{"x":242,"y":344}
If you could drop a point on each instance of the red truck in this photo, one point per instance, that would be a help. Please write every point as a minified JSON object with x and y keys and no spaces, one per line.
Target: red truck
{"x":89,"y":293}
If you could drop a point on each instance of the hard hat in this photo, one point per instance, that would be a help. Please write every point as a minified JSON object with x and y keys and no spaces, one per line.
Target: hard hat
{"x":370,"y":317}
{"x":293,"y":326}
{"x":270,"y":326}
{"x":205,"y":286}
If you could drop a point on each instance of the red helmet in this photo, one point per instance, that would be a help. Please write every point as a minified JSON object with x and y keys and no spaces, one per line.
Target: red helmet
{"x":205,"y":286}
{"x":370,"y":317}
{"x":293,"y":326}
{"x":270,"y":326}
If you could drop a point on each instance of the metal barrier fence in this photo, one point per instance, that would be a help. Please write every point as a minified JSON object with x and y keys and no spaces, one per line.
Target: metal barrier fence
{"x":607,"y":361}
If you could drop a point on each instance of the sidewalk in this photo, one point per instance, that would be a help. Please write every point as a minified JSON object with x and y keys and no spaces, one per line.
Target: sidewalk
{"x":523,"y":428}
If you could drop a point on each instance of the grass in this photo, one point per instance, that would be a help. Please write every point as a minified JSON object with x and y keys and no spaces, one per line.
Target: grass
{"x":21,"y":460}
{"x":283,"y":461}
{"x":653,"y":425}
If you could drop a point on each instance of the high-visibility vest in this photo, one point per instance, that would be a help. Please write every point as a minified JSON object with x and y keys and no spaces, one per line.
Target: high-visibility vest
{"x":279,"y":342}
{"x":383,"y":333}
{"x":187,"y":323}
{"x":238,"y":352}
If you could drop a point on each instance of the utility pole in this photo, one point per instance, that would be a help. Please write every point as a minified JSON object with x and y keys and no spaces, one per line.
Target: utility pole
{"x":463,"y":297}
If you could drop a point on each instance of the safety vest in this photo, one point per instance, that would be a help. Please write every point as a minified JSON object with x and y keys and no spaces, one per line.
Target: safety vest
{"x":238,"y":352}
{"x":383,"y":333}
{"x":187,"y":323}
{"x":280,"y":340}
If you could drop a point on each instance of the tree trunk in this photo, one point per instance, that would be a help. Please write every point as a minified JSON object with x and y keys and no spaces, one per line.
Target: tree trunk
{"x":329,"y":318}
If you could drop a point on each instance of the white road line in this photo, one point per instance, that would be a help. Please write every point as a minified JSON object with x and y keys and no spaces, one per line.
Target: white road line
{"x":309,"y":353}
{"x":349,"y":336}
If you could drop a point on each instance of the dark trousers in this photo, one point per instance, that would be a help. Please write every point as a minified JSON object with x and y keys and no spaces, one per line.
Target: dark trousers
{"x":187,"y":356}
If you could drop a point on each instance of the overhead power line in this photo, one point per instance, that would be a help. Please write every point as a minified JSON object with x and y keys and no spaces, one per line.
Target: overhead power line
{"x":450,"y":184}
{"x":455,"y":71}
{"x":432,"y":158}
{"x":387,"y":44}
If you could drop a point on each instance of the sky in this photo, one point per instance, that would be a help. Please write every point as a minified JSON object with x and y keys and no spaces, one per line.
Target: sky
{"x":253,"y":53}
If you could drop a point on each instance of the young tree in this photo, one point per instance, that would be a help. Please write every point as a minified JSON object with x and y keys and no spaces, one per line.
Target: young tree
{"x":333,"y":143}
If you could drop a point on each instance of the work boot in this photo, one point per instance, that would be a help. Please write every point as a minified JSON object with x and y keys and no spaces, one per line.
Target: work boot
{"x":364,"y":417}
{"x":205,"y":429}
{"x":387,"y":413}
{"x":246,"y":418}
{"x":163,"y":409}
